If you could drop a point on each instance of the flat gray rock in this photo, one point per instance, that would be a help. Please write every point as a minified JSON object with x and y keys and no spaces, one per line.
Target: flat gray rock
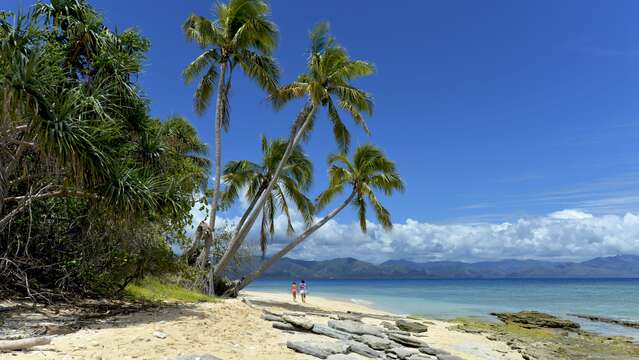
{"x":419,"y":357}
{"x":402,"y":352}
{"x":298,"y":321}
{"x":376,"y":342}
{"x":411,"y":326}
{"x":283,"y":326}
{"x":269,"y":317}
{"x":197,"y":357}
{"x":329,"y":331}
{"x":407,"y":340}
{"x":341,"y":357}
{"x":355,"y":327}
{"x":318,"y":349}
{"x":448,"y":357}
{"x":364,"y":350}
{"x":431,"y":351}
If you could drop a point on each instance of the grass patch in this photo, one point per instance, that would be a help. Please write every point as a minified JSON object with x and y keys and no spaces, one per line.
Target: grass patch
{"x":156,"y":289}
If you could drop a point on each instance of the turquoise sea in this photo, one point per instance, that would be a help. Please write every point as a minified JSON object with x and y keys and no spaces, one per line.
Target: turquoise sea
{"x":447,"y":299}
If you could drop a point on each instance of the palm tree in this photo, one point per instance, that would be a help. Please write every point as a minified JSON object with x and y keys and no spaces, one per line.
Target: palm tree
{"x":295,"y":179}
{"x":241,"y":34}
{"x":369,"y":171}
{"x":325,"y":84}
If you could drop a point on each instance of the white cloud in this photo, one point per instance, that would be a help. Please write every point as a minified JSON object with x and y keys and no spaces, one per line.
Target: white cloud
{"x":568,"y":234}
{"x":563,"y":235}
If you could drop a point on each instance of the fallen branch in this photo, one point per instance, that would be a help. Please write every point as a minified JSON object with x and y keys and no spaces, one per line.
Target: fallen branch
{"x":22,"y":344}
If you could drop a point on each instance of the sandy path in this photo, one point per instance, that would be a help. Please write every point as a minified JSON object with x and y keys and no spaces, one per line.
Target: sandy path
{"x":229,"y":330}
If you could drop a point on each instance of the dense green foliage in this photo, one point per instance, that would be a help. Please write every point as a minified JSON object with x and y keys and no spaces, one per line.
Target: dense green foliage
{"x":92,"y":190}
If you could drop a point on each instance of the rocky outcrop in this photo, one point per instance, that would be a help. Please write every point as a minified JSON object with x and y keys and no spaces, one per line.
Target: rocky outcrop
{"x":329,"y":331}
{"x":603,"y":319}
{"x":376,"y":342}
{"x":411,"y":326}
{"x":318,"y":349}
{"x":364,"y":350}
{"x":536,"y":319}
{"x":431,"y":351}
{"x":298,"y":321}
{"x":407,"y":340}
{"x":402,"y":352}
{"x":283,"y":326}
{"x":355,"y":327}
{"x":341,"y":357}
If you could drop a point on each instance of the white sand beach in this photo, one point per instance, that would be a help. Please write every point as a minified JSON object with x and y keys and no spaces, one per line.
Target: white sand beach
{"x":231,"y":329}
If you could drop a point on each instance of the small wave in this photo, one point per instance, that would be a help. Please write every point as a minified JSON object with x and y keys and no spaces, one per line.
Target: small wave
{"x":361,"y":302}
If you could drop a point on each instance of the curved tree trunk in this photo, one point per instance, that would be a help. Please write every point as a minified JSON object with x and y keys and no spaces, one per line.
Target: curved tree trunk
{"x":219,"y":114}
{"x":297,"y":132}
{"x":266,"y":264}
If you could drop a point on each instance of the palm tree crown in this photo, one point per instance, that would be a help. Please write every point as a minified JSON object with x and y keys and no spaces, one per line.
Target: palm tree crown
{"x":369,"y":170}
{"x":327,"y":83}
{"x":293,"y":181}
{"x":242,"y":34}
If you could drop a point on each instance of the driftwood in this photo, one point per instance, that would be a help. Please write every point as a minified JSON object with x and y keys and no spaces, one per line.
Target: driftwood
{"x":22,"y":344}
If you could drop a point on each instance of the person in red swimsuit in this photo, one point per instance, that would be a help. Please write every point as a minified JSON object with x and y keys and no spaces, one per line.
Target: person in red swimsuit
{"x":294,"y":291}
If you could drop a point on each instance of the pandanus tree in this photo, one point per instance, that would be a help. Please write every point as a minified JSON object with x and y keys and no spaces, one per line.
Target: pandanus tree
{"x":240,"y":35}
{"x":292,"y":183}
{"x":370,"y":171}
{"x":326,"y":84}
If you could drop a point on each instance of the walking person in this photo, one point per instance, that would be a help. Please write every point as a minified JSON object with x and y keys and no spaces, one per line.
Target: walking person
{"x":303,"y":290}
{"x":294,"y":291}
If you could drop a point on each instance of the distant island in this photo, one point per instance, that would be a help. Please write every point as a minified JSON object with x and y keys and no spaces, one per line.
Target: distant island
{"x":621,"y":266}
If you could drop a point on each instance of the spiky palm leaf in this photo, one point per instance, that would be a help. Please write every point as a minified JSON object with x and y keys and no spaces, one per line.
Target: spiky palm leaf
{"x":294,"y":180}
{"x":367,"y":172}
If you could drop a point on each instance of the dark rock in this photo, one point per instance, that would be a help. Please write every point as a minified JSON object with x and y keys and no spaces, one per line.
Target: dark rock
{"x":411,"y":326}
{"x":376,"y":342}
{"x":328,"y":331}
{"x":603,"y":319}
{"x":364,"y":350}
{"x":402,"y":352}
{"x":283,"y":326}
{"x":298,"y":321}
{"x":269,"y":317}
{"x":430,"y":351}
{"x":355,"y":327}
{"x":536,"y":319}
{"x":318,"y":349}
{"x":407,"y":340}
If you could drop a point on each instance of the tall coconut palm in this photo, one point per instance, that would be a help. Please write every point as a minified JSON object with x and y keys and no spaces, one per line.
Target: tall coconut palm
{"x":293,"y":181}
{"x":369,"y":171}
{"x":327,"y":83}
{"x":241,"y":34}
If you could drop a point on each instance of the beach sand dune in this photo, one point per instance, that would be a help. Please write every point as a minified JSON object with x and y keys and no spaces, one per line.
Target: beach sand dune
{"x":229,"y":329}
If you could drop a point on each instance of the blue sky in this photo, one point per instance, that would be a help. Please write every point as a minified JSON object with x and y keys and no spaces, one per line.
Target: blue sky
{"x":495,"y":111}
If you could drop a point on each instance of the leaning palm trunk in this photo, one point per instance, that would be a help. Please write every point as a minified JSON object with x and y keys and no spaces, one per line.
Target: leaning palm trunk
{"x":219,"y":114}
{"x":266,"y":264}
{"x":297,"y":133}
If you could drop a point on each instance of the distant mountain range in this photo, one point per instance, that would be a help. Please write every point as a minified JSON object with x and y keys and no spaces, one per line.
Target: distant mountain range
{"x":622,"y":266}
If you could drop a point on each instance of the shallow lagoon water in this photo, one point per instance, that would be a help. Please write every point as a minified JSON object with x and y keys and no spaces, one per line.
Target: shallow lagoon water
{"x":447,"y":299}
